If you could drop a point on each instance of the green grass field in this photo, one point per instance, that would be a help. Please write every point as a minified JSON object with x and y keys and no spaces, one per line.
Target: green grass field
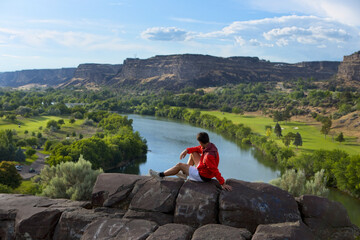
{"x":34,"y":123}
{"x":311,"y":136}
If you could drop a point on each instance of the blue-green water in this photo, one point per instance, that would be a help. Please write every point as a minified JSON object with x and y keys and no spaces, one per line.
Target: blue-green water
{"x":168,"y":138}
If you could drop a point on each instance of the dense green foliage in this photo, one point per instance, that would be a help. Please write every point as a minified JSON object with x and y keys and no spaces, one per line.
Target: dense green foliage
{"x":9,"y":175}
{"x":120,"y":144}
{"x":7,"y":148}
{"x":72,"y":180}
{"x":296,"y":184}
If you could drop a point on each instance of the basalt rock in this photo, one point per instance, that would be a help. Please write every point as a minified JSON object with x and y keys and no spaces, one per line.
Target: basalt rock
{"x":197,"y":203}
{"x":172,"y":231}
{"x":349,"y":69}
{"x":252,"y":204}
{"x":119,"y":229}
{"x":279,"y":231}
{"x":327,"y":219}
{"x":174,"y":71}
{"x":138,"y":207}
{"x":221,"y":232}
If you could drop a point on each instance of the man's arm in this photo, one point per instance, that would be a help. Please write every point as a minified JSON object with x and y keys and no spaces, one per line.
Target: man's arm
{"x":190,"y":150}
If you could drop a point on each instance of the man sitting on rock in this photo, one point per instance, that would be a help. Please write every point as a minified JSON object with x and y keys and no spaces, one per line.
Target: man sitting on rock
{"x":201,"y":166}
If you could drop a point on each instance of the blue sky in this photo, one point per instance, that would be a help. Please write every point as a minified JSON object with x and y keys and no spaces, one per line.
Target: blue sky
{"x":40,"y":34}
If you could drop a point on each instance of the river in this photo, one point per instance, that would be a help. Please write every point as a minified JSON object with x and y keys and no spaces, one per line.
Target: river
{"x":166,"y":139}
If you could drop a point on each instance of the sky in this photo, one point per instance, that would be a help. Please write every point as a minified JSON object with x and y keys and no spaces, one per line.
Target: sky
{"x":41,"y":34}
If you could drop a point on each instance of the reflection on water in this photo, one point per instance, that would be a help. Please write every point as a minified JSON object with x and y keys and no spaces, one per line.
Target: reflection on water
{"x":131,"y":168}
{"x":351,"y":204}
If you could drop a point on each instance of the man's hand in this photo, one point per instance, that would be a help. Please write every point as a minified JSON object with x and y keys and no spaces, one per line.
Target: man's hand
{"x":183,"y":154}
{"x":226,"y":187}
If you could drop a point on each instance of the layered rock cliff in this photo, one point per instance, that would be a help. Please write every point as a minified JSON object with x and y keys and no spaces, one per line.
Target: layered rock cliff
{"x":48,"y":77}
{"x":92,"y":75}
{"x":349,"y":69}
{"x":172,"y":72}
{"x":139,"y":207}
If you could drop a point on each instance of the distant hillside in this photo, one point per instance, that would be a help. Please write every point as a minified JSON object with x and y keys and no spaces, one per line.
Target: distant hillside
{"x":93,"y":75}
{"x":173,"y":72}
{"x":49,"y":77}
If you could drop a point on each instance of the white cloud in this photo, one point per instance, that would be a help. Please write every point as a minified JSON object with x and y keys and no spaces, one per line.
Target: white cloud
{"x":240,"y":41}
{"x":344,"y":11}
{"x":164,"y":34}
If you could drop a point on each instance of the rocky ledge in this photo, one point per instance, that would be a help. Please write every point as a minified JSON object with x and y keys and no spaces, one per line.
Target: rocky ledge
{"x":138,"y":207}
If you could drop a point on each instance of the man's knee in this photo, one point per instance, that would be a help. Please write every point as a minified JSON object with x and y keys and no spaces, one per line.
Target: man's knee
{"x":182,"y":166}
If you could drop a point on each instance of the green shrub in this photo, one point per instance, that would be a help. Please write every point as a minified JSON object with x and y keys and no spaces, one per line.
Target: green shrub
{"x":71,"y":180}
{"x":296,"y":184}
{"x":5,"y":188}
{"x":246,"y":141}
{"x":29,"y":152}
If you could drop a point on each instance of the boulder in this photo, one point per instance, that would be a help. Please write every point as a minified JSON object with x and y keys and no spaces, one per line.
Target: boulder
{"x":220,"y":232}
{"x":172,"y":231}
{"x":113,"y":189}
{"x":252,"y":204}
{"x":72,"y":224}
{"x":125,"y":229}
{"x":35,"y":217}
{"x":279,"y":231}
{"x":157,"y":196}
{"x":327,"y":219}
{"x":7,"y":223}
{"x":330,"y":212}
{"x":158,"y":217}
{"x":37,"y":223}
{"x":197,"y":203}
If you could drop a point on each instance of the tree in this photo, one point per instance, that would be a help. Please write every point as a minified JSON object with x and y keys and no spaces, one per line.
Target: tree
{"x":278,"y":130}
{"x":9,"y":176}
{"x":52,"y":123}
{"x":277,"y":116}
{"x":61,"y":121}
{"x":268,"y":132}
{"x":72,"y":180}
{"x":326,"y":125}
{"x":72,"y":120}
{"x":19,"y":155}
{"x":297,"y":140}
{"x":290,"y":136}
{"x":29,"y":152}
{"x":340,"y":138}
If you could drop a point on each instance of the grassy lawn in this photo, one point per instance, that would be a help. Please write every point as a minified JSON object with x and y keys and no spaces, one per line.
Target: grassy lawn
{"x":310,"y":133}
{"x":34,"y":123}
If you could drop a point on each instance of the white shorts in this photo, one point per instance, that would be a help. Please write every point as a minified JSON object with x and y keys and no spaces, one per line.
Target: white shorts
{"x":194,"y":174}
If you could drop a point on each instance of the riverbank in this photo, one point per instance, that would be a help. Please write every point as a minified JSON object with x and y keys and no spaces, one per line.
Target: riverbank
{"x":310,"y":132}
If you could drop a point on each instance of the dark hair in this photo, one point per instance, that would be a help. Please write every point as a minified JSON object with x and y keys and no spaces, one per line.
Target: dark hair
{"x":203,"y":137}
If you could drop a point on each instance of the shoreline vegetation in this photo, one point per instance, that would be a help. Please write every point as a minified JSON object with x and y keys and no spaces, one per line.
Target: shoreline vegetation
{"x":339,"y":167}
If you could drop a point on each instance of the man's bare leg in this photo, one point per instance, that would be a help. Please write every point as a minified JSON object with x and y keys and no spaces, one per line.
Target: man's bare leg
{"x":178,"y":167}
{"x":194,"y":159}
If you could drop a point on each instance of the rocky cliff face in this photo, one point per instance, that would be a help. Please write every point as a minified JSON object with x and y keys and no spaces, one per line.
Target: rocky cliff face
{"x":174,"y":71}
{"x":139,"y":207}
{"x":92,"y":75}
{"x":349,"y":69}
{"x":48,"y":77}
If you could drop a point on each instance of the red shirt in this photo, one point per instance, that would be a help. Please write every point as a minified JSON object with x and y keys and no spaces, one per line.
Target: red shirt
{"x":209,"y":161}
